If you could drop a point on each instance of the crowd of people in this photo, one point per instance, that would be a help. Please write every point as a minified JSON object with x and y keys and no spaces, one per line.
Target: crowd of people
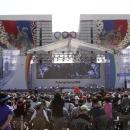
{"x":46,"y":110}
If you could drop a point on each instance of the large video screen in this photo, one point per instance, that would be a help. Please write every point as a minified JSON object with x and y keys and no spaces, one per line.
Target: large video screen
{"x":68,"y":71}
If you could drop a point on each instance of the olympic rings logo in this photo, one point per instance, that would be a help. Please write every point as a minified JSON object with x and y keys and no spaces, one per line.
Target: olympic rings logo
{"x":64,"y":35}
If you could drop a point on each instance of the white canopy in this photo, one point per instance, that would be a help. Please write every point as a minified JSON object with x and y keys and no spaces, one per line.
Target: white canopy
{"x":69,"y":44}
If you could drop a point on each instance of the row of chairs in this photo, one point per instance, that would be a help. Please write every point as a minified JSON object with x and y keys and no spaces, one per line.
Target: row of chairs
{"x":80,"y":124}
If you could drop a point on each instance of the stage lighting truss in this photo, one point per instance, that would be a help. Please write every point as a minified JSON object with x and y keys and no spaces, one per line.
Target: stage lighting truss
{"x":71,"y":57}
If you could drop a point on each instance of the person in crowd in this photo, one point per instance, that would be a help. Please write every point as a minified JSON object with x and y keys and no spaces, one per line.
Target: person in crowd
{"x":84,"y":115}
{"x":36,"y":91}
{"x":76,"y":110}
{"x":102,"y":92}
{"x":115,"y":101}
{"x":84,"y":97}
{"x":124,"y":102}
{"x":96,"y":109}
{"x":76,"y":101}
{"x":65,"y":112}
{"x":40,"y":113}
{"x":6,"y":113}
{"x":108,"y":110}
{"x":69,"y":106}
{"x":47,"y":110}
{"x":29,"y":110}
{"x":99,"y":99}
{"x":89,"y":102}
{"x":20,"y":110}
{"x":57,"y":110}
{"x":34,"y":102}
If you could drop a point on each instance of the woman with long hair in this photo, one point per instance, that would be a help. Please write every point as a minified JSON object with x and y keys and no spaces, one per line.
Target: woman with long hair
{"x":6,"y":113}
{"x":57,"y":110}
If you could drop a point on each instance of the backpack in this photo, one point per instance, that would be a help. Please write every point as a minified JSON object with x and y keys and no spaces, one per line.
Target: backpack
{"x":38,"y":123}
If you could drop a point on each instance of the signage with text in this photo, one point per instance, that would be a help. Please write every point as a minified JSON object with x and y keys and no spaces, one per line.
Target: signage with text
{"x":123,"y":74}
{"x":66,"y":82}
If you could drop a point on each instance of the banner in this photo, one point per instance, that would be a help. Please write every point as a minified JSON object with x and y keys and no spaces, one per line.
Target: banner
{"x":123,"y":74}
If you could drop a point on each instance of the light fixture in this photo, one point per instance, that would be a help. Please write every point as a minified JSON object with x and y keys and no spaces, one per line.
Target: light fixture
{"x":90,"y":87}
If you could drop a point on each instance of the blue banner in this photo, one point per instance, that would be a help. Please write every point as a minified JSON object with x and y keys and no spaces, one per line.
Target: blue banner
{"x":123,"y":74}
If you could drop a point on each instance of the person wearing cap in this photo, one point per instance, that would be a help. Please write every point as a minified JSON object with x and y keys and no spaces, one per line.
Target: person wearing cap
{"x":84,"y":115}
{"x":40,"y":111}
{"x":6,"y":113}
{"x":41,"y":114}
{"x":76,"y":110}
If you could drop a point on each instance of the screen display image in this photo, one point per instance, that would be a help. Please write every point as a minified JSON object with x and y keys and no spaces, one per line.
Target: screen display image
{"x":68,"y":71}
{"x":1,"y":68}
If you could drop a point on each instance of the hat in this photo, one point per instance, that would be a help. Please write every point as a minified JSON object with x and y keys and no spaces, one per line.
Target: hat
{"x":76,"y":97}
{"x":5,"y":98}
{"x":39,"y":104}
{"x":84,"y":107}
{"x":66,"y":99}
{"x":81,"y":101}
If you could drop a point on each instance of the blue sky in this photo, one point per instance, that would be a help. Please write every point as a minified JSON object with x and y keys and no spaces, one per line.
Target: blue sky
{"x":65,"y":12}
